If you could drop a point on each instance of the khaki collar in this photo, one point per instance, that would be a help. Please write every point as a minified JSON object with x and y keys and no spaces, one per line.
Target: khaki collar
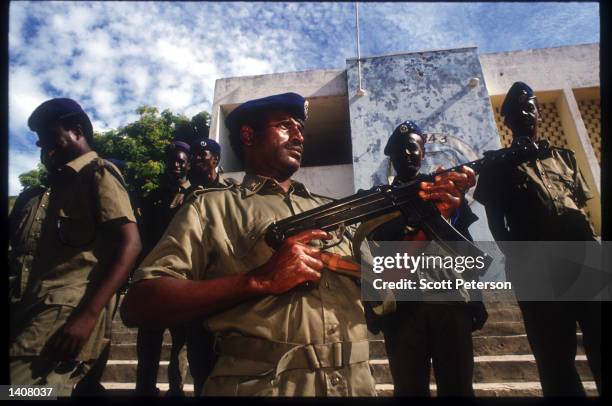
{"x":255,"y":183}
{"x":79,"y":163}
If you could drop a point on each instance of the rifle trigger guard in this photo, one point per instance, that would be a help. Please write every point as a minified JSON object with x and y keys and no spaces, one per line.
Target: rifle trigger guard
{"x":338,"y":232}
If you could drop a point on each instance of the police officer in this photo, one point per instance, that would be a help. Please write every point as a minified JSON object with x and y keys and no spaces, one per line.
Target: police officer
{"x":205,"y":155}
{"x":418,"y":332}
{"x":273,"y":337}
{"x":158,"y":209}
{"x":543,"y":200}
{"x":73,"y":247}
{"x":204,"y":175}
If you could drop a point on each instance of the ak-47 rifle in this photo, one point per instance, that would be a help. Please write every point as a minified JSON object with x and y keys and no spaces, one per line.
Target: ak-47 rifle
{"x":384,"y":199}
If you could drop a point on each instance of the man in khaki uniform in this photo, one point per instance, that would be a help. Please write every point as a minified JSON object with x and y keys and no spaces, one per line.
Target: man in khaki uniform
{"x":274,"y":337}
{"x":543,"y":200}
{"x":73,"y":245}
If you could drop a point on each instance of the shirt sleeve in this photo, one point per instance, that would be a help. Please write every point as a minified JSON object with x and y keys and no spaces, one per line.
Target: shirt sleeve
{"x":180,"y":253}
{"x":484,"y":188}
{"x":114,"y":202}
{"x":582,"y":193}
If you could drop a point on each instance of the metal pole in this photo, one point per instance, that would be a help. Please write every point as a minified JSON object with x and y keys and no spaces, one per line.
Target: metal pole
{"x":360,"y":90}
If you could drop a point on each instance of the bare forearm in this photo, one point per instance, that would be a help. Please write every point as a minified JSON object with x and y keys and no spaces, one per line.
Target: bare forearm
{"x":165,"y":301}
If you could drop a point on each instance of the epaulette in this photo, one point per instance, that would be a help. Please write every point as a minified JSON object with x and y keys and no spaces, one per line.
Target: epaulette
{"x":200,"y":190}
{"x":100,"y":163}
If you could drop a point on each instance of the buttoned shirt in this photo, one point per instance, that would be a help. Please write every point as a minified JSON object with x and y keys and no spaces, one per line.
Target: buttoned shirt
{"x":541,"y":199}
{"x":58,"y":252}
{"x":221,"y":233}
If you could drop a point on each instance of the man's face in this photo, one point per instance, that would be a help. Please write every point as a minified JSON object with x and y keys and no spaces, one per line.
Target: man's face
{"x":57,"y":146}
{"x":279,"y":144}
{"x":523,"y":121}
{"x":177,"y":165}
{"x":204,"y":162}
{"x":408,"y":155}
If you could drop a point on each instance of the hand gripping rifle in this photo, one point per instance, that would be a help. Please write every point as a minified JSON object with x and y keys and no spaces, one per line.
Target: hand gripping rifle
{"x":384,"y":199}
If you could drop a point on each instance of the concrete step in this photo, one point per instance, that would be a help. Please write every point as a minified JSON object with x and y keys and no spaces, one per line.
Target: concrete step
{"x":124,"y":371}
{"x":128,"y":351}
{"x":493,"y":389}
{"x":483,"y":345}
{"x":497,"y":389}
{"x":128,"y":337}
{"x":503,"y":328}
{"x":499,"y":368}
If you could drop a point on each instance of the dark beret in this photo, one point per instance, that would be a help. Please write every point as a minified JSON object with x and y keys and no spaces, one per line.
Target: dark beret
{"x":206,"y":144}
{"x":404,"y":129}
{"x":53,"y":110}
{"x":291,"y":103}
{"x":517,"y":90}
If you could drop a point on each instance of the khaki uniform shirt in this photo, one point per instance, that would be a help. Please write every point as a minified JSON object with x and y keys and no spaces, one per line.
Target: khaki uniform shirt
{"x":58,"y":254}
{"x":278,"y":345}
{"x":540,"y":199}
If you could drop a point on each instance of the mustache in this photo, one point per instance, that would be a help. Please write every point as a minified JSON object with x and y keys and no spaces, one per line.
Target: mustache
{"x":296,"y":147}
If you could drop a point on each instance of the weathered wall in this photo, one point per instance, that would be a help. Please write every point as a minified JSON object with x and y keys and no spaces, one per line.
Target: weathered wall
{"x":433,"y":89}
{"x":573,"y":66}
{"x":233,"y":91}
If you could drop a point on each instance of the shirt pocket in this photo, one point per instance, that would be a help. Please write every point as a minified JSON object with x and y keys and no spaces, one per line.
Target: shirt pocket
{"x":252,"y":249}
{"x":75,"y":232}
{"x":564,"y":181}
{"x":241,"y":377}
{"x":66,"y":297}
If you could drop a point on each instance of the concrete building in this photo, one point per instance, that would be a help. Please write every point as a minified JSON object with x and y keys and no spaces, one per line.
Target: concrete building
{"x":346,"y":135}
{"x":453,"y":94}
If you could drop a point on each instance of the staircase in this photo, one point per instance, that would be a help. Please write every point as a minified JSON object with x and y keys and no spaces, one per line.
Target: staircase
{"x":504,"y":364}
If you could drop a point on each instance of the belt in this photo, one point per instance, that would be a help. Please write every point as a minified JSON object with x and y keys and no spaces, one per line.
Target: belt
{"x":294,"y":356}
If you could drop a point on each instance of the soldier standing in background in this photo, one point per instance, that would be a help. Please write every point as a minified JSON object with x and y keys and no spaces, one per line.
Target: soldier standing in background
{"x":205,"y":158}
{"x":543,"y":200}
{"x":74,"y":242}
{"x":418,"y":332}
{"x":158,"y":209}
{"x":205,"y":155}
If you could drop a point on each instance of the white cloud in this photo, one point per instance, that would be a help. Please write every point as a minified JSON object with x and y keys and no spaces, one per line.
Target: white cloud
{"x":20,"y":162}
{"x":115,"y":56}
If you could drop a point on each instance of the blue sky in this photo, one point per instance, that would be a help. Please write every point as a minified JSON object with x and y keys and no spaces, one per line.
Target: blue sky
{"x":115,"y":56}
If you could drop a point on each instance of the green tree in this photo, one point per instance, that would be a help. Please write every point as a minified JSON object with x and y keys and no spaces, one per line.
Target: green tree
{"x":33,"y":178}
{"x":141,"y":146}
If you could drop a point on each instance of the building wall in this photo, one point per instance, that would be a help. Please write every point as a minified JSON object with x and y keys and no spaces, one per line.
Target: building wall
{"x":570,"y":99}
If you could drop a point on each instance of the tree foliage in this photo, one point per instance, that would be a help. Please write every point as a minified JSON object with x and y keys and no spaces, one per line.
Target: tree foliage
{"x":33,"y":178}
{"x":140,"y":145}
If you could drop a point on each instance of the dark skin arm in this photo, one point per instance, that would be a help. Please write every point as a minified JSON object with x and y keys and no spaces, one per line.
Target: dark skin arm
{"x":181,"y":300}
{"x":67,"y":343}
